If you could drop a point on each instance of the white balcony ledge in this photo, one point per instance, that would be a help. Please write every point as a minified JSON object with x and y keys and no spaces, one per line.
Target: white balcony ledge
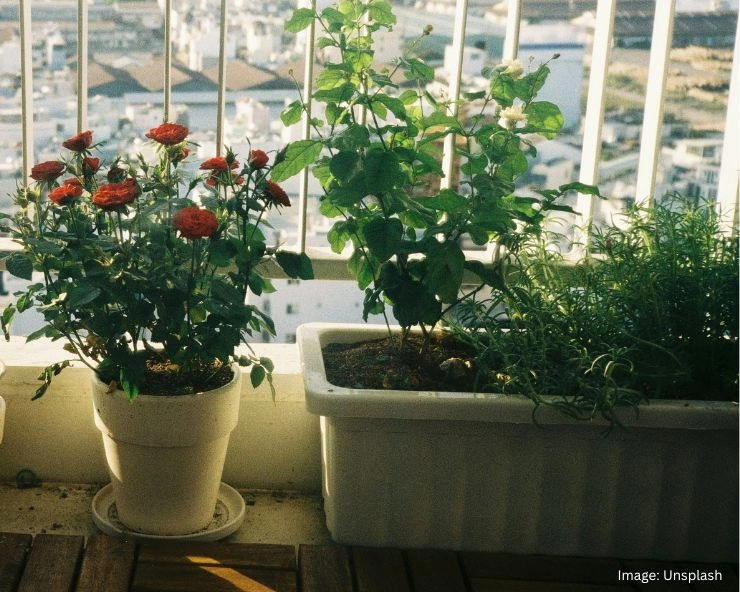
{"x":276,"y":445}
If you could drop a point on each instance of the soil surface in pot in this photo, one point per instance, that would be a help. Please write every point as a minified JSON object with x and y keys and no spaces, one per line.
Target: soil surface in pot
{"x":383,"y":364}
{"x":163,"y":378}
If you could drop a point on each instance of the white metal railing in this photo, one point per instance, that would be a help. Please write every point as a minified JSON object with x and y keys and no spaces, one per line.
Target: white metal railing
{"x":594,"y":113}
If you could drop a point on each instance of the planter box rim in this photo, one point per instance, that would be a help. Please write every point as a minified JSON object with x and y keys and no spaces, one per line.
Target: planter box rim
{"x":324,"y":398}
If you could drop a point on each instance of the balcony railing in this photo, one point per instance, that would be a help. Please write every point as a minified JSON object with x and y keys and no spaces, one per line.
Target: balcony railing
{"x":592,"y":121}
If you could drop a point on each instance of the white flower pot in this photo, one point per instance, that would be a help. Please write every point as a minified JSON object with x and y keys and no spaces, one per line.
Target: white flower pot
{"x":472,"y":472}
{"x":166,"y":455}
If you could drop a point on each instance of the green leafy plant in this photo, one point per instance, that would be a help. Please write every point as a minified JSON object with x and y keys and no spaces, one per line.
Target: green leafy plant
{"x":377,"y":153}
{"x":652,"y":315}
{"x":146,"y":267}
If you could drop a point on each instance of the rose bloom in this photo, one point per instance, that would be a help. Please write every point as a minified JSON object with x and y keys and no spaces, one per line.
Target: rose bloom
{"x":217,"y":164}
{"x":195,"y":223}
{"x":90,"y":165}
{"x":213,"y":181}
{"x":116,"y":174}
{"x":258,"y":159}
{"x":182,"y":154}
{"x":47,"y":171}
{"x":74,"y":181}
{"x":80,"y":142}
{"x":114,"y":195}
{"x":65,"y":193}
{"x":168,"y":134}
{"x":276,"y":193}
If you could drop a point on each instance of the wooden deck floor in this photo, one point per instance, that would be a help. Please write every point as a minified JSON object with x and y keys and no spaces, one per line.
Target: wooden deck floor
{"x":68,"y":563}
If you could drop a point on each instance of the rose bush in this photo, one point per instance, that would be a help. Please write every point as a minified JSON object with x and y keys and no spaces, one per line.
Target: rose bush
{"x":145,"y":267}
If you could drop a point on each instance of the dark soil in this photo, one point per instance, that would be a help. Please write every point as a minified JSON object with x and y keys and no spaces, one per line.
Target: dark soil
{"x":384,"y":364}
{"x":164,"y":378}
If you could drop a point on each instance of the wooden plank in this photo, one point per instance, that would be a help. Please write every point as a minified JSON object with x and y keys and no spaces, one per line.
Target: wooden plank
{"x":13,"y":549}
{"x":52,"y":563}
{"x":724,"y":577}
{"x":229,"y":554}
{"x":107,"y":565}
{"x":435,"y":571}
{"x":510,"y":566}
{"x":176,"y":577}
{"x":324,"y":568}
{"x":526,"y":586}
{"x":380,"y":570}
{"x":658,"y":583}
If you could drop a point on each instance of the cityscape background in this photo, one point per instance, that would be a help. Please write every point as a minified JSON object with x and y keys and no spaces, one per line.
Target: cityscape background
{"x":125,"y":98}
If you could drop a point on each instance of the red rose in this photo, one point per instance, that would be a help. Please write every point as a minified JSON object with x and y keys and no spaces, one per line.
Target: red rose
{"x":217,"y":164}
{"x":195,"y":223}
{"x":65,"y":193}
{"x":276,"y":193}
{"x":74,"y":181}
{"x":114,"y":195}
{"x":258,"y":159}
{"x":47,"y":171}
{"x":80,"y":142}
{"x":90,"y":165}
{"x":168,"y":134}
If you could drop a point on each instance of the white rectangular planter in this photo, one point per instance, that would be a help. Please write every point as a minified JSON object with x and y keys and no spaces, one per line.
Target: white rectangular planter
{"x":471,"y":471}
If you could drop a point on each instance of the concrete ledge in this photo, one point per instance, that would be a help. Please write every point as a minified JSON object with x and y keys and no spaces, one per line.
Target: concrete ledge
{"x":276,"y":444}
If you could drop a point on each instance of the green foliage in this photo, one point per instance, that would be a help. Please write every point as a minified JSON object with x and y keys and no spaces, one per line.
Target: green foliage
{"x":124,"y":282}
{"x":377,"y":157}
{"x":653,"y":315}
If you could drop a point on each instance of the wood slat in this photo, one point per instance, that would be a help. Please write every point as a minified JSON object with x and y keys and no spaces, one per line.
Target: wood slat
{"x":435,"y":571}
{"x":507,"y":566}
{"x":13,"y":549}
{"x":380,"y":570}
{"x":525,"y":586}
{"x":52,"y":563}
{"x":175,"y":577}
{"x":324,"y":568}
{"x":229,"y":554}
{"x":107,"y":565}
{"x":726,"y":582}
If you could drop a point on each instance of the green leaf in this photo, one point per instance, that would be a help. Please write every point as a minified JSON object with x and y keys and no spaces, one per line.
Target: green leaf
{"x":381,"y":12}
{"x":295,"y":265}
{"x":445,"y":267}
{"x":82,"y":295}
{"x":222,"y":252}
{"x":383,"y":237}
{"x":257,"y":375}
{"x":446,"y":201}
{"x":297,"y":156}
{"x":543,"y":118}
{"x":292,"y":113}
{"x":343,"y":165}
{"x":299,"y":20}
{"x":20,"y":266}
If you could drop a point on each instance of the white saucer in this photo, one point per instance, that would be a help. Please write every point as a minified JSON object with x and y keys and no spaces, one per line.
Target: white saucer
{"x":227,"y":517}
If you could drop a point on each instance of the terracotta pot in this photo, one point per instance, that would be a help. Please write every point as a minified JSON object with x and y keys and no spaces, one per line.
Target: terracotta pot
{"x":166,"y":454}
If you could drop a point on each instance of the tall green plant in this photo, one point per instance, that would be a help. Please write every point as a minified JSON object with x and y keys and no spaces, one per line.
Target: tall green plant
{"x":377,"y":154}
{"x":654,"y":314}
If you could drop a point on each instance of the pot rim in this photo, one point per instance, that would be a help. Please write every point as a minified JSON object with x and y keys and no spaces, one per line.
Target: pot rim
{"x":324,"y":398}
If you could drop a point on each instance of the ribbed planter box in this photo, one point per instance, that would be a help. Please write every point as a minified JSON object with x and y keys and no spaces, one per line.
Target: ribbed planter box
{"x":472,"y":472}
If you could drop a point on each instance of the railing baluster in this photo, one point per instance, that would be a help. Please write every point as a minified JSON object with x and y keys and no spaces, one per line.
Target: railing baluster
{"x":167,"y":98}
{"x":82,"y":53}
{"x":728,"y":185}
{"x":221,"y":107}
{"x":513,"y":25}
{"x":306,"y":130}
{"x":458,"y":50}
{"x":652,"y":125}
{"x":24,"y":17}
{"x":594,"y":117}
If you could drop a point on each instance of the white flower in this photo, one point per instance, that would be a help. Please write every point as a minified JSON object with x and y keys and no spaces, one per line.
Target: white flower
{"x":513,"y":68}
{"x":512,"y":117}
